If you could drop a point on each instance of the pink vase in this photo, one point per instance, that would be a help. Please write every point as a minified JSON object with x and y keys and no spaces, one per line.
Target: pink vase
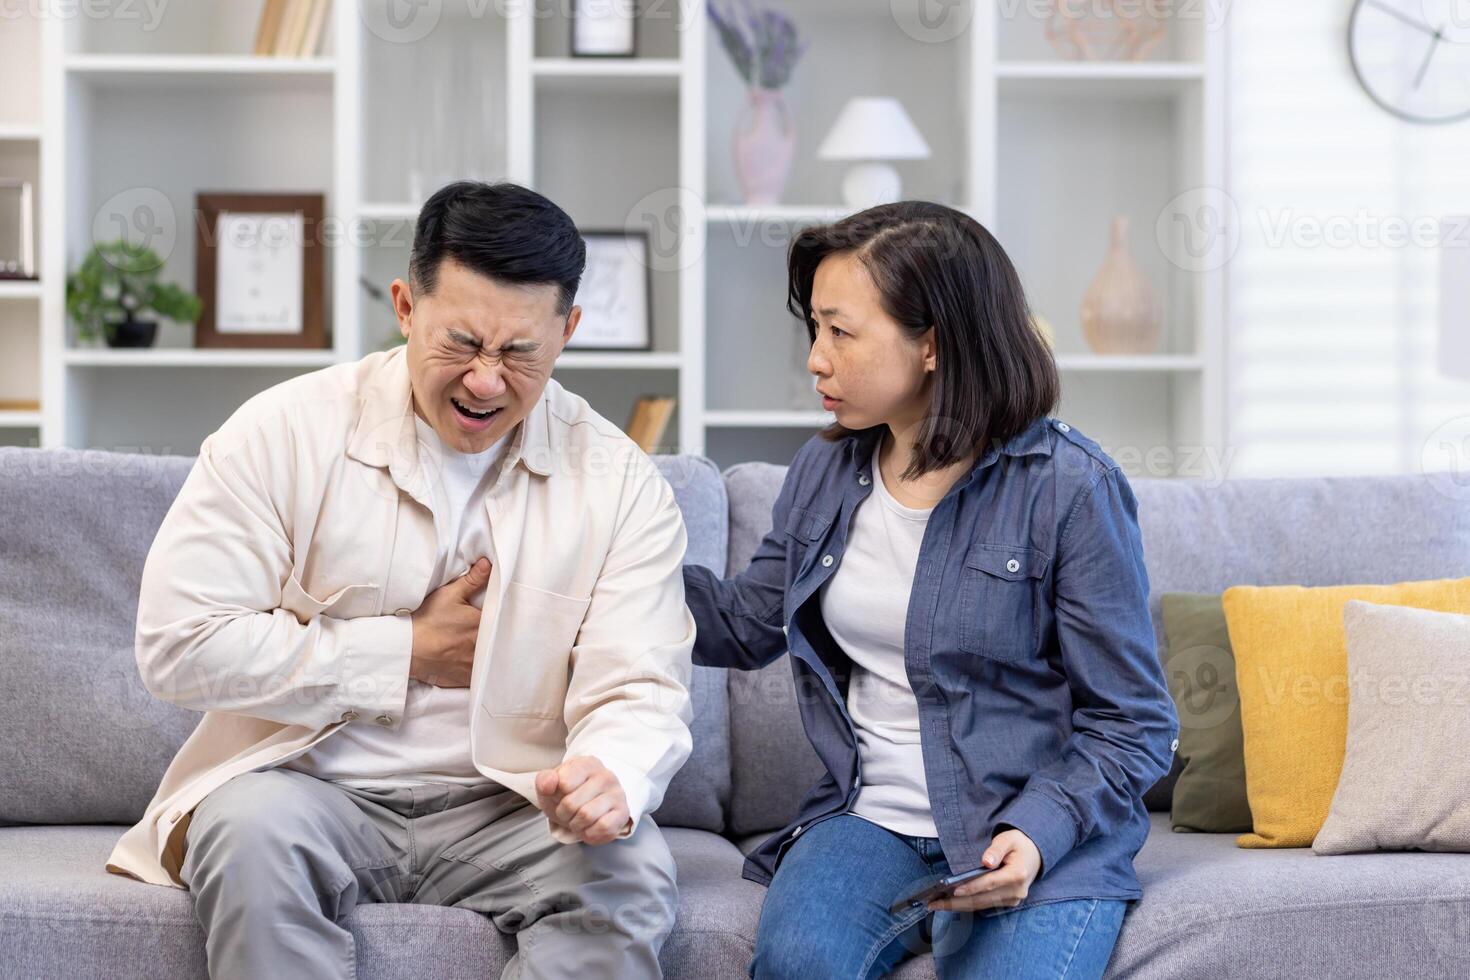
{"x":765,"y":140}
{"x":1121,"y":312}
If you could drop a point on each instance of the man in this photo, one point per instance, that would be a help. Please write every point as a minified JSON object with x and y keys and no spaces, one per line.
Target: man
{"x":431,"y":605}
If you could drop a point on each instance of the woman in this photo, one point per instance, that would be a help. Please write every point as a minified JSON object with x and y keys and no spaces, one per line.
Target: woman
{"x":960,"y":581}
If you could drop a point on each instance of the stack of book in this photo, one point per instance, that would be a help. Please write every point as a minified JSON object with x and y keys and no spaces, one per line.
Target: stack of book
{"x":292,"y":28}
{"x":650,"y":418}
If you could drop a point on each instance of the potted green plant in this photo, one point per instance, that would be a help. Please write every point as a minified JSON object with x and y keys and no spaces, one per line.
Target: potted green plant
{"x":116,"y":286}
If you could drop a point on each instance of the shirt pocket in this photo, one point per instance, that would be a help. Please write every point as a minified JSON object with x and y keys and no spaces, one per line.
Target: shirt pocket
{"x":345,"y":603}
{"x":534,"y":636}
{"x":806,"y":526}
{"x":999,"y":600}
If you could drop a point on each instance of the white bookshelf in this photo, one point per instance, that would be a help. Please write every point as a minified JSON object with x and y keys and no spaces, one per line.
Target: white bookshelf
{"x":1041,"y":150}
{"x":21,"y":301}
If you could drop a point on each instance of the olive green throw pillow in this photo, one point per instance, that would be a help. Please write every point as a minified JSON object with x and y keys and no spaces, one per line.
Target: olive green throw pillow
{"x":1209,"y":796}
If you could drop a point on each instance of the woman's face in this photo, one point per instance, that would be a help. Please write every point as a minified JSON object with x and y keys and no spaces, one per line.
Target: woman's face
{"x":868,"y":370}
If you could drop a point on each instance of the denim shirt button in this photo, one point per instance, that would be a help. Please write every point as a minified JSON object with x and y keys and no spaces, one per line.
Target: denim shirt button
{"x":1064,"y":427}
{"x":826,"y":561}
{"x":1013,"y":566}
{"x":863,"y":480}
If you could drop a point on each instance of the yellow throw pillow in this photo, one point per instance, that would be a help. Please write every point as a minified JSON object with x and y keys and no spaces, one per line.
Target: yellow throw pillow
{"x":1291,"y":672}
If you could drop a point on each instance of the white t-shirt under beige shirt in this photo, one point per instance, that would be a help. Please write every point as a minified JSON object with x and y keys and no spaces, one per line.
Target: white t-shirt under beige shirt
{"x":432,"y":743}
{"x":865,"y":606}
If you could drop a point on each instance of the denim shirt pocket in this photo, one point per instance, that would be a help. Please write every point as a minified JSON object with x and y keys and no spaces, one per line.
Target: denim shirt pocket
{"x":806,"y":525}
{"x":1000,"y":596}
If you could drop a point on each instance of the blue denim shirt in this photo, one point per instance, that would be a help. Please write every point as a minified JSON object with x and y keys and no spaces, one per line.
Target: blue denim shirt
{"x":1028,"y":644}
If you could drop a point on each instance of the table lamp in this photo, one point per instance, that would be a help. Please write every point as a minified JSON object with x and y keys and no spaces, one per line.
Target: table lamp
{"x":870,"y":131}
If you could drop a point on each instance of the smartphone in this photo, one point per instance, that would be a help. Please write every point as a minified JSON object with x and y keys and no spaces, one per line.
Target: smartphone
{"x":936,"y":887}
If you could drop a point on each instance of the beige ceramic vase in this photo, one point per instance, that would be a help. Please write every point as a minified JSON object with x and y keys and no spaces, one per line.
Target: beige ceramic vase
{"x":1121,"y":312}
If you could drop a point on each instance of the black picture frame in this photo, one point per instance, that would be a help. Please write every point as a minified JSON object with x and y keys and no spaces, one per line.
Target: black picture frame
{"x":632,"y":51}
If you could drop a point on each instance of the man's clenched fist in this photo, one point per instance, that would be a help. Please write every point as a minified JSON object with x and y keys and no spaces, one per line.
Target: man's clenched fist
{"x":583,"y":797}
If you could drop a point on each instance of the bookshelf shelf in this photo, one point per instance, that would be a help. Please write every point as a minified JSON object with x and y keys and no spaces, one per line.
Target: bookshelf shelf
{"x":19,"y":419}
{"x":768,"y":420}
{"x":109,"y":357}
{"x":1130,"y":363}
{"x":575,"y":360}
{"x":151,"y":72}
{"x":13,"y":289}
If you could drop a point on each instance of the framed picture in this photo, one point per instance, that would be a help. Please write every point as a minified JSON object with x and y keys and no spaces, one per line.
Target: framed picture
{"x":604,"y":28}
{"x":259,"y":271}
{"x":17,"y":230}
{"x":615,"y":293}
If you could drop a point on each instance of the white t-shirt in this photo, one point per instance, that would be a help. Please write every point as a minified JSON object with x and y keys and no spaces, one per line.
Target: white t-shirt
{"x":432,"y":742}
{"x":865,"y":606}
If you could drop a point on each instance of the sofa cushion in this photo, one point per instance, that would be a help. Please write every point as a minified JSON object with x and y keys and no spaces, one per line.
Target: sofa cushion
{"x":1405,"y":780}
{"x":774,"y":762}
{"x":63,"y":916}
{"x":1198,"y":535}
{"x":1211,"y":909}
{"x":699,"y":794}
{"x":1209,"y":795}
{"x":81,"y":739}
{"x":1291,"y":668}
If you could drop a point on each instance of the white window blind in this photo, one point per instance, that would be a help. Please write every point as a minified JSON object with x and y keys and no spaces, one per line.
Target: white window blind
{"x":1333,"y":292}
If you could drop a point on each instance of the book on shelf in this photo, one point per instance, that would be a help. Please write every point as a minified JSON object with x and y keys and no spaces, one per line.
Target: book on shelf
{"x":315,"y":26}
{"x":649,"y":420}
{"x":292,"y":28}
{"x":270,"y":25}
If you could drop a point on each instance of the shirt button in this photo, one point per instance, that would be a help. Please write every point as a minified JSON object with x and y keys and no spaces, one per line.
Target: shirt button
{"x":1013,"y":566}
{"x":863,"y":480}
{"x":385,"y":719}
{"x":826,"y":561}
{"x":1064,"y":427}
{"x":402,"y":611}
{"x":349,"y":715}
{"x":1174,"y":745}
{"x":174,"y":817}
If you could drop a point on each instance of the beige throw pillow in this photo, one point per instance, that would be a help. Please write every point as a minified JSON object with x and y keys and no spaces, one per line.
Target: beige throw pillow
{"x":1405,"y":782}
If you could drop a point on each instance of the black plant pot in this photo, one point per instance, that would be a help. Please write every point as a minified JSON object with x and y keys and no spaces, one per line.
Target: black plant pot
{"x":130,"y":332}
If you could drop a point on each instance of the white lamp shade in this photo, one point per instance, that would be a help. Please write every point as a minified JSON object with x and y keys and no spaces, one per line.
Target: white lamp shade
{"x":1454,"y":298}
{"x":873,"y":129}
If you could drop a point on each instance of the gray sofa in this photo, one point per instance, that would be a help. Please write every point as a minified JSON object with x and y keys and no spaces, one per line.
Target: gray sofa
{"x":83,"y":746}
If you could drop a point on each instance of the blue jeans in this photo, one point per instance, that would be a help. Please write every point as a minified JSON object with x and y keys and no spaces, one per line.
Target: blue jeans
{"x":826,"y":915}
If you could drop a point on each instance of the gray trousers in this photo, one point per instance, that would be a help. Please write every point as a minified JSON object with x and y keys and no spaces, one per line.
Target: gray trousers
{"x":276,"y":859}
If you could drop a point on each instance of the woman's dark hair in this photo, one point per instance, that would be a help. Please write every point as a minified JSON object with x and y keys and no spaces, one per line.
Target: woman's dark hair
{"x":504,"y":231}
{"x":935,"y":266}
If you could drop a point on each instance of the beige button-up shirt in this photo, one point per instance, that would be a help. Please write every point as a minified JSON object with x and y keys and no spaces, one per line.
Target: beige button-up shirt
{"x":276,"y":596}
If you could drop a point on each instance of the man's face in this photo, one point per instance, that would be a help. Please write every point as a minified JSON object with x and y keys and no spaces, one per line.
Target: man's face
{"x":476,"y":346}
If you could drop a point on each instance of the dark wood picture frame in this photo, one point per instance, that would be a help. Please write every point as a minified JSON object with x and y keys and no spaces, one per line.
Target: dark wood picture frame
{"x":632,"y":51}
{"x":312,"y":208}
{"x":647,"y":239}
